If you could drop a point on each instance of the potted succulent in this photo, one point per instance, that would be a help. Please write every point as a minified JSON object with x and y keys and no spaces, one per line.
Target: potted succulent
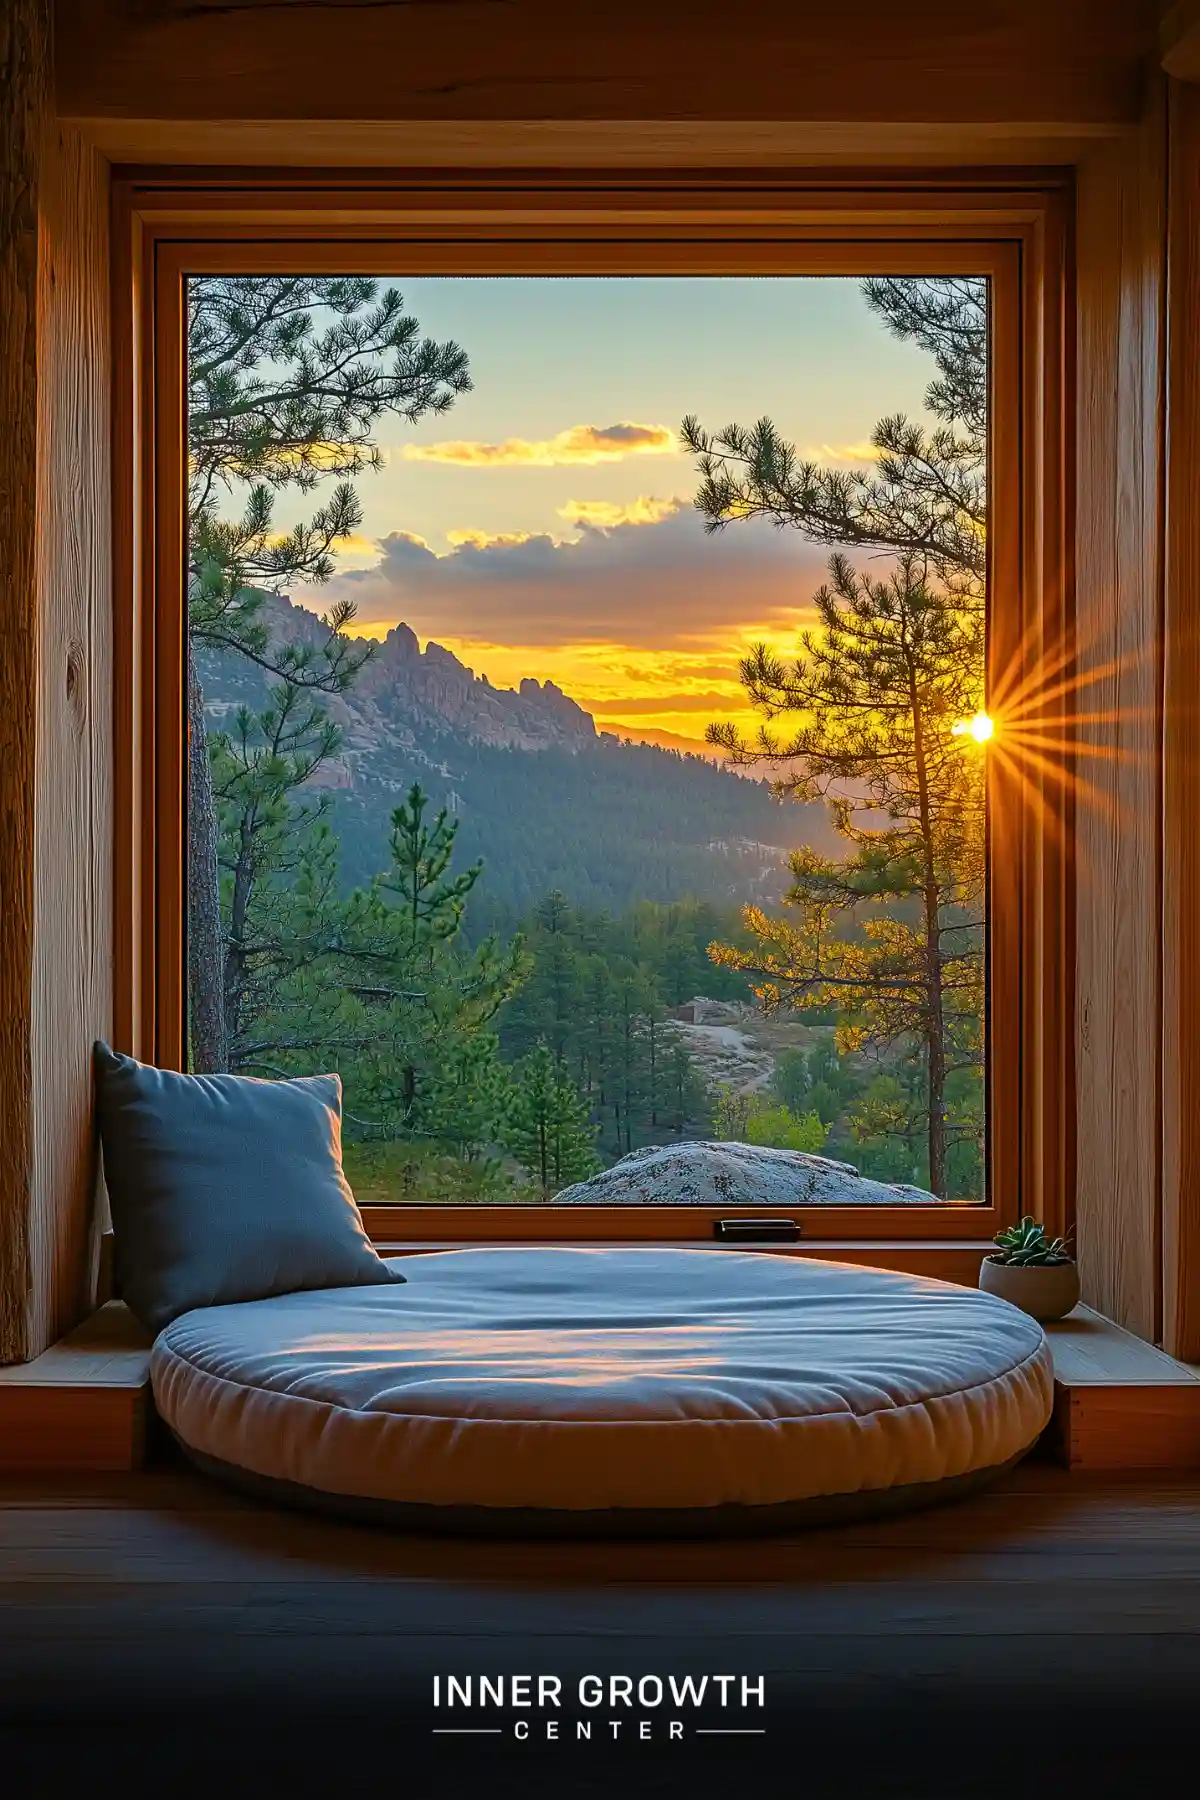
{"x":1032,"y":1271}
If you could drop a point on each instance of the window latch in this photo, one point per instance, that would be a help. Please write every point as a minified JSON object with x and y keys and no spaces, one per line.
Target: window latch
{"x":757,"y":1231}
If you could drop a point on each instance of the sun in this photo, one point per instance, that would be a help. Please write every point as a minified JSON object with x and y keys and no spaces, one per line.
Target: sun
{"x":981,"y":728}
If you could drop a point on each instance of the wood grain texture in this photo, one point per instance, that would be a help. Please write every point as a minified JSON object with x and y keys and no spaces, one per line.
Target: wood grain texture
{"x":107,"y":1349}
{"x":169,"y":1524}
{"x":1120,"y":356}
{"x":72,"y":961}
{"x":1031,"y":924}
{"x":1117,"y":1427}
{"x":1179,"y":40}
{"x":24,"y":75}
{"x":1090,"y":1351}
{"x":563,"y":224}
{"x":945,"y":1224}
{"x":587,"y":144}
{"x":1181,"y":747}
{"x":944,"y":1261}
{"x":1119,"y":1403}
{"x":601,"y":59}
{"x":82,"y":1404}
{"x":136,"y":1608}
{"x":72,"y":1428}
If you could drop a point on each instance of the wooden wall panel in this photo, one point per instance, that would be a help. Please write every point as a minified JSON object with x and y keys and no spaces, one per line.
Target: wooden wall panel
{"x":1179,"y":40}
{"x":72,"y":953}
{"x":1181,"y":762}
{"x":602,"y":59}
{"x":1120,"y":352}
{"x":24,"y":75}
{"x":559,"y":144}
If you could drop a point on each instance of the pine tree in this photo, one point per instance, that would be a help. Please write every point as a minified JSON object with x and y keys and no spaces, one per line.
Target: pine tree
{"x":877,"y":690}
{"x":413,"y":1001}
{"x":633,"y":1072}
{"x":547,"y":1006}
{"x":685,"y":1107}
{"x":548,"y":1128}
{"x":679,"y":969}
{"x":467,"y":1097}
{"x":891,"y":935}
{"x":600,"y":1013}
{"x":278,"y":863}
{"x":287,"y":378}
{"x":926,"y":494}
{"x":596,"y":1042}
{"x":429,"y":900}
{"x":817,"y":1080}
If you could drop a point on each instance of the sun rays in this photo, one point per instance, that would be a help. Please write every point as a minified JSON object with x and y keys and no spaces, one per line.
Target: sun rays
{"x":1061,"y":722}
{"x":981,"y":728}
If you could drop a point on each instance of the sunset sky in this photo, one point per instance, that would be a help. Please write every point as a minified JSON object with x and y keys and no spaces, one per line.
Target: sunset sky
{"x":544,"y":526}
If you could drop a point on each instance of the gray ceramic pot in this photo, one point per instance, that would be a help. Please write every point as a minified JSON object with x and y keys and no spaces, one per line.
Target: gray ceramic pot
{"x":1045,"y":1293}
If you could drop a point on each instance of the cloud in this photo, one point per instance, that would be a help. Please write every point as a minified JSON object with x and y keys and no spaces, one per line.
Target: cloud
{"x":587,"y":515}
{"x":352,"y":551}
{"x":579,"y":444}
{"x":487,"y":540}
{"x":357,"y":552}
{"x":602,"y":515}
{"x":663,"y":586}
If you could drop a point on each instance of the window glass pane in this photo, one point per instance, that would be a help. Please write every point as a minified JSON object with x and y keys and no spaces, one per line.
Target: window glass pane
{"x":589,"y":728}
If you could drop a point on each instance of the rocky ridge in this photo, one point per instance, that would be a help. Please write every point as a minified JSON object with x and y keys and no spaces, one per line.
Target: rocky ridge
{"x":432,"y":685}
{"x":405,"y":699}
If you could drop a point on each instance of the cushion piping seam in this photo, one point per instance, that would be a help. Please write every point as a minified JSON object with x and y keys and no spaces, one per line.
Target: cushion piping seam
{"x":353,"y":1412}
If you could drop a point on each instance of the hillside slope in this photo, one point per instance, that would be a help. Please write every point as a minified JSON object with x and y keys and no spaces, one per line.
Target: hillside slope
{"x":543,"y":797}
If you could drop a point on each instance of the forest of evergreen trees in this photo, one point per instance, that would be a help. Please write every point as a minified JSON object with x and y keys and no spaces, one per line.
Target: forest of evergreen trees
{"x":609,"y":822}
{"x":491,"y":960}
{"x":610,"y":825}
{"x":597,"y":997}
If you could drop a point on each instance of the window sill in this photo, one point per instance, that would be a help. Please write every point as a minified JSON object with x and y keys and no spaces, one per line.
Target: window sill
{"x":943,"y":1260}
{"x":946,"y":1259}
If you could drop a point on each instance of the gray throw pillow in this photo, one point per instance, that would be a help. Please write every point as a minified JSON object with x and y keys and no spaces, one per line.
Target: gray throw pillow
{"x":225,"y":1188}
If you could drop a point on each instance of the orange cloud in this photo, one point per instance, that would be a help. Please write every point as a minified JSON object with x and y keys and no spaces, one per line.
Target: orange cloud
{"x":356,"y":551}
{"x":647,"y":509}
{"x":487,"y":540}
{"x":579,"y":444}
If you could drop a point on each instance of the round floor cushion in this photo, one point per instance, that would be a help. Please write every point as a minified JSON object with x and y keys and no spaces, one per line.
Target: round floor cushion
{"x":605,"y":1389}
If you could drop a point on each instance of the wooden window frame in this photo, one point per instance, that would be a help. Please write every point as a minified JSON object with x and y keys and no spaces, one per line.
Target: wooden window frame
{"x":1013,"y":226}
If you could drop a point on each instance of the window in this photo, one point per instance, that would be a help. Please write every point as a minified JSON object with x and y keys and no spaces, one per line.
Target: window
{"x":606,"y":684}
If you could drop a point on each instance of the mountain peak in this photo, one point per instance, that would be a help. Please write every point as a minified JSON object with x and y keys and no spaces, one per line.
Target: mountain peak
{"x":425,"y":692}
{"x":400,"y":644}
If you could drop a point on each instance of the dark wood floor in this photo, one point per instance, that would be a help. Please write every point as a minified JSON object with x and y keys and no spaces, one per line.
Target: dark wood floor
{"x":1055,"y":1616}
